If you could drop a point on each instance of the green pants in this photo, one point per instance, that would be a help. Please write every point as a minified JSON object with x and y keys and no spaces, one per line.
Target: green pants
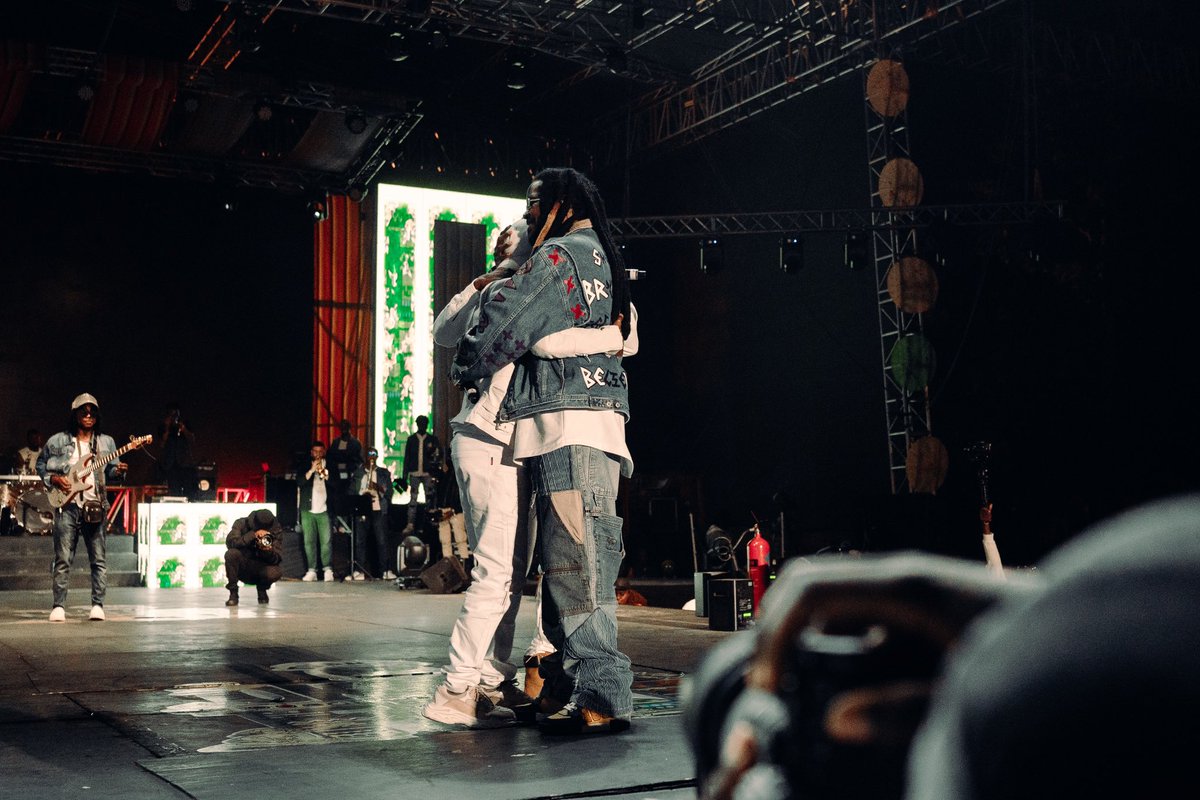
{"x":314,"y":526}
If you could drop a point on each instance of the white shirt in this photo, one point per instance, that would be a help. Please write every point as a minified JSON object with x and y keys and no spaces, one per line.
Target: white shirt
{"x":598,"y":428}
{"x":458,"y":316}
{"x":319,"y":496}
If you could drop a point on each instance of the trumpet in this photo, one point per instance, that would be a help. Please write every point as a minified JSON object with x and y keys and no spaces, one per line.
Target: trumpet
{"x":318,"y":468}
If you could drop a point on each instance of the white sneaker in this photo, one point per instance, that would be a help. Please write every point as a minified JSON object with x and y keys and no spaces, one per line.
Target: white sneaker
{"x":58,"y":614}
{"x":471,"y":707}
{"x":311,"y":575}
{"x":97,"y":614}
{"x":389,"y":576}
{"x":358,"y":576}
{"x":328,"y":575}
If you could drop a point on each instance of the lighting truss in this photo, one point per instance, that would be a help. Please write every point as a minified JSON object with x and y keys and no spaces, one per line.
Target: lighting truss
{"x":836,"y":220}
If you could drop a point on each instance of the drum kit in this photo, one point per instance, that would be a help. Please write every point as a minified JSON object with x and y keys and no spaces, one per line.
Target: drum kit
{"x":25,"y":506}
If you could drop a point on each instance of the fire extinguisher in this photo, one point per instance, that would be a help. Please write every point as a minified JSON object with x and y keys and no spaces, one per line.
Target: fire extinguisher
{"x":758,"y":559}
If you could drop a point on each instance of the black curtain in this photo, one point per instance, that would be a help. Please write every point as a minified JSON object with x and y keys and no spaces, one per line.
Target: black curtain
{"x":459,"y":255}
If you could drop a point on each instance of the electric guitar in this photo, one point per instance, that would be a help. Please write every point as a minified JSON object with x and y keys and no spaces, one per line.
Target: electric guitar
{"x":83,"y":471}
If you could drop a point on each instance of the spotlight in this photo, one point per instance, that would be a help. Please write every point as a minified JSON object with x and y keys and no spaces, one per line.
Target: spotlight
{"x":396,"y":47}
{"x":718,"y":548}
{"x":357,"y":193}
{"x":355,"y":123}
{"x":413,"y":554}
{"x":516,"y":76}
{"x":712,"y":255}
{"x":318,"y":207}
{"x":791,"y":253}
{"x":263,"y":111}
{"x":856,"y":252}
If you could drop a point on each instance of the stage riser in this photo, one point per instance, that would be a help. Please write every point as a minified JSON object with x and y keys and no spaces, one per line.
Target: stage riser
{"x":25,"y":563}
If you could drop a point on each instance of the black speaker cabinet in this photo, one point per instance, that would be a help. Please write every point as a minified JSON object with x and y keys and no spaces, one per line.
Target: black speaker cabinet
{"x":205,"y":490}
{"x":445,"y":577}
{"x":731,"y":604}
{"x":701,"y":587}
{"x":284,"y":493}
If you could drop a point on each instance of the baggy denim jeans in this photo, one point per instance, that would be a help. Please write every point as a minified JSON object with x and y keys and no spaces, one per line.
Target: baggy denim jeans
{"x":68,"y":527}
{"x":579,"y":539}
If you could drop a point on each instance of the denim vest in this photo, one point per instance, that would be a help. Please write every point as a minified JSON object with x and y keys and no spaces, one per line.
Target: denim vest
{"x":55,"y":459}
{"x":566,"y":283}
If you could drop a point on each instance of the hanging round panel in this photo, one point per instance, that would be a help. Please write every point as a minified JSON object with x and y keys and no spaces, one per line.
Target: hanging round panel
{"x":912,"y":284}
{"x":901,"y":184}
{"x":912,"y":361}
{"x":887,"y":87}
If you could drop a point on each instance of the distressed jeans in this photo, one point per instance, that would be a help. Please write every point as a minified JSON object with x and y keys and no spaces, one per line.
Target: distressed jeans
{"x":68,"y":527}
{"x":495,"y":501}
{"x":579,"y":539}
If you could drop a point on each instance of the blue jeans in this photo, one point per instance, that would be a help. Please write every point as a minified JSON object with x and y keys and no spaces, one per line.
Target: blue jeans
{"x":579,"y":538}
{"x":68,"y":527}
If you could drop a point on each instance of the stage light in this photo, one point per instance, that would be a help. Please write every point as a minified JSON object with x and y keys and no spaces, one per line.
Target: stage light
{"x":791,"y":253}
{"x":396,"y":47}
{"x":856,"y":252}
{"x":263,"y":111}
{"x":712,"y":255}
{"x":516,"y":76}
{"x":318,"y":207}
{"x":355,"y":123}
{"x":413,"y":554}
{"x":718,"y":548}
{"x":85,"y":91}
{"x":357,"y":193}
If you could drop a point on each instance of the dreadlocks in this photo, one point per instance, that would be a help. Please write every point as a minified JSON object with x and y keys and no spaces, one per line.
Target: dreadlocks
{"x":568,"y":196}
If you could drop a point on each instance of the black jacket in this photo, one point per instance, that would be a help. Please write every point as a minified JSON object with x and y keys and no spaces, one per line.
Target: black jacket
{"x":242,"y":538}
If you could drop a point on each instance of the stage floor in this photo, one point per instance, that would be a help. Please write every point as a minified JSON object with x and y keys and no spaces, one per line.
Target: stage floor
{"x":316,"y":695}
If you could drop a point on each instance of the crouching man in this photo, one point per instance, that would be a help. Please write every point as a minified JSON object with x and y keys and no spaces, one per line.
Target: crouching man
{"x":255,"y":554}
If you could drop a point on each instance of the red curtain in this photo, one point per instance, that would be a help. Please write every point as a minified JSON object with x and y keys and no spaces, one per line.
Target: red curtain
{"x":16,"y":63}
{"x":131,"y":104}
{"x":343,"y":321}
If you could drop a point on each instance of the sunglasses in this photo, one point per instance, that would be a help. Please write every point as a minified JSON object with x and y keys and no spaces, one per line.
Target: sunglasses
{"x":87,"y":411}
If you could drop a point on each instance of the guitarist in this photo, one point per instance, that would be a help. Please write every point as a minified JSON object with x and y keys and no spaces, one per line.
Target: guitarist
{"x":84,"y":514}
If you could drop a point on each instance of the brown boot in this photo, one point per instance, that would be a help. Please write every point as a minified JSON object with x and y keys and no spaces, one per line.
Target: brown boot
{"x":533,"y":675}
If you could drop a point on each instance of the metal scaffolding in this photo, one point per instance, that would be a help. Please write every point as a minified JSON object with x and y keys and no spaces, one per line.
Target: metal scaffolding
{"x":906,"y":412}
{"x":828,"y":220}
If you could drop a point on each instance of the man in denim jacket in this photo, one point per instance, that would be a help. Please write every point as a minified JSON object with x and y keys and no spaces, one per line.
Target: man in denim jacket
{"x":66,"y":451}
{"x":570,"y":431}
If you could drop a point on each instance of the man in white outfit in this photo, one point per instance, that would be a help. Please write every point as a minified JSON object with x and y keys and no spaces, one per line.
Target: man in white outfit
{"x":480,"y":690}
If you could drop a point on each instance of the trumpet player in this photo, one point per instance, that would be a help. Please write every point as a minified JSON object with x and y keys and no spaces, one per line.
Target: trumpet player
{"x":314,"y":515}
{"x":374,"y":483}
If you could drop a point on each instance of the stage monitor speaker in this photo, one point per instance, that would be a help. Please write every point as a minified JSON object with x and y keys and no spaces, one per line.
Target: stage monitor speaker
{"x":730,"y":604}
{"x":701,"y":584}
{"x":446,"y":576}
{"x":283,"y":492}
{"x":205,"y":490}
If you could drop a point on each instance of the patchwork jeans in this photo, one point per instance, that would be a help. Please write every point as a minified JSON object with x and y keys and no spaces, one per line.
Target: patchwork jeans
{"x":68,"y":527}
{"x":579,"y":539}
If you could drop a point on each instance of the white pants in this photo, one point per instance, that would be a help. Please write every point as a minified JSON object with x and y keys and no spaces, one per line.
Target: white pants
{"x":495,"y":500}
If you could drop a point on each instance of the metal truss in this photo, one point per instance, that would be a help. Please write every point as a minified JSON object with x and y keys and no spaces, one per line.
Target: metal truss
{"x":906,"y":412}
{"x":838,"y":219}
{"x":105,"y":159}
{"x":819,"y":42}
{"x":398,"y":116}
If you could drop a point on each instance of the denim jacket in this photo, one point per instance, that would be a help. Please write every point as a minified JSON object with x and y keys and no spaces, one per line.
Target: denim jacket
{"x":566,"y":283}
{"x":55,"y":459}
